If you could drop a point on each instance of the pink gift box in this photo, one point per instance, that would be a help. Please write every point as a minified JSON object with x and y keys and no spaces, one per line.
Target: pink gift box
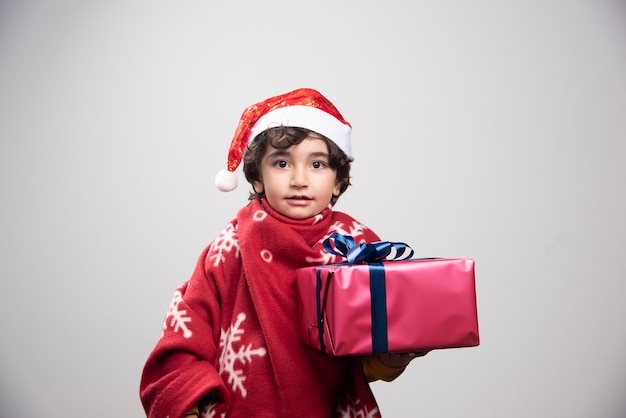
{"x":418,"y":304}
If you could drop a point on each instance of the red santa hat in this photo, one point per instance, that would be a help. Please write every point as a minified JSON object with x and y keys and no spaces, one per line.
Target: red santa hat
{"x":302,"y":108}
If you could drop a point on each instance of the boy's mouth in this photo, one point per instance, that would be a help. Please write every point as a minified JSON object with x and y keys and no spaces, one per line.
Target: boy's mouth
{"x":299,"y":198}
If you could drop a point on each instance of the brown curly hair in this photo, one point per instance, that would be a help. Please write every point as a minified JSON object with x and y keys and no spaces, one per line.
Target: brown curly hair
{"x":282,"y":137}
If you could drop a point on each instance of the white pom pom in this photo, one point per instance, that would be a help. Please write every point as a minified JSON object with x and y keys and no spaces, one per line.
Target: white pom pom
{"x":226,"y":181}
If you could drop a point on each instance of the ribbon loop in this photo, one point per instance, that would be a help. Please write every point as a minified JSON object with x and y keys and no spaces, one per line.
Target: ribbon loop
{"x":344,"y":246}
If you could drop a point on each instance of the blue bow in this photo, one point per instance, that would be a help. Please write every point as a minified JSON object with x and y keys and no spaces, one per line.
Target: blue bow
{"x":344,"y":246}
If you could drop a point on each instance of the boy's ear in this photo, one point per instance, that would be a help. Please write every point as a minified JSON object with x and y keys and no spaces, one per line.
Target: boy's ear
{"x":257,"y":185}
{"x":337,"y":189}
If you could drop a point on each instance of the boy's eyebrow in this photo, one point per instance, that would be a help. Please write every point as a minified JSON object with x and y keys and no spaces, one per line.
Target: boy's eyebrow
{"x":278,"y":153}
{"x":320,"y":154}
{"x":281,"y":153}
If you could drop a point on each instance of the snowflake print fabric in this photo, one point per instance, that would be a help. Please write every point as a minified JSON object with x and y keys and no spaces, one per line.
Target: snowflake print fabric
{"x":233,"y":353}
{"x":226,"y":242}
{"x":230,"y":339}
{"x":177,"y":318}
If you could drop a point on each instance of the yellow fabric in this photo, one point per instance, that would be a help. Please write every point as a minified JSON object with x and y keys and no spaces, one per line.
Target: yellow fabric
{"x":375,"y":369}
{"x":194,"y":410}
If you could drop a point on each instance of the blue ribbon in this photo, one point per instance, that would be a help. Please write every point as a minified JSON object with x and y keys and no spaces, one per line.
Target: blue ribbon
{"x":372,"y":254}
{"x":378,"y":295}
{"x":344,"y":246}
{"x":321,"y":304}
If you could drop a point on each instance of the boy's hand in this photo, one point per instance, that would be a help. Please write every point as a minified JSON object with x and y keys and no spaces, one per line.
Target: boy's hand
{"x":398,"y":360}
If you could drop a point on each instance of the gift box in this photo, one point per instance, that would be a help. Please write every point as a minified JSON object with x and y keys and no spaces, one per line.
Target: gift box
{"x":369,"y":306}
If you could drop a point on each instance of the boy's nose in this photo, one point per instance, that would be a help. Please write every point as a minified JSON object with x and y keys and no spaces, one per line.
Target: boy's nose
{"x":299,"y":178}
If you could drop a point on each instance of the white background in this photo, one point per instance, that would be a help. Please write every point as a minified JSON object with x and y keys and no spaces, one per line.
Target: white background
{"x":494,"y":130}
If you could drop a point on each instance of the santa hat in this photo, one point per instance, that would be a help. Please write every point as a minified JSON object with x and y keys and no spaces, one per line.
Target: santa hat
{"x":302,"y":108}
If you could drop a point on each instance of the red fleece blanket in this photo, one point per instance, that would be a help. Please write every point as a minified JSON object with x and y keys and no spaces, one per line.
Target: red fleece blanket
{"x":230,"y":338}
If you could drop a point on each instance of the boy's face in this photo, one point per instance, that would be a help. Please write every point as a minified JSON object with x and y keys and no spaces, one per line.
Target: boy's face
{"x":297,"y":181}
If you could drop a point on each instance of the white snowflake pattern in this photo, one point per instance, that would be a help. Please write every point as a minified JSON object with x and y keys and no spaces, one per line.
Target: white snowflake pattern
{"x":229,"y":357}
{"x":318,"y":218}
{"x":179,"y":317}
{"x":351,"y":411}
{"x":324,"y":258}
{"x":225,"y":242}
{"x":355,"y":230}
{"x":208,"y":411}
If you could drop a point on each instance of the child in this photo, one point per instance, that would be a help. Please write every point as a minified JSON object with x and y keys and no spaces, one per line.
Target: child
{"x":230,"y":342}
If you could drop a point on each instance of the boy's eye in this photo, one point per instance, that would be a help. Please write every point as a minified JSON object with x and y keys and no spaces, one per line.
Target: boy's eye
{"x":318,"y":164}
{"x":280,"y":163}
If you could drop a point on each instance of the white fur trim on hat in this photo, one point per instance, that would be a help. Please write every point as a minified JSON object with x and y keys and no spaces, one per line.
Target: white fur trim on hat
{"x":309,"y":118}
